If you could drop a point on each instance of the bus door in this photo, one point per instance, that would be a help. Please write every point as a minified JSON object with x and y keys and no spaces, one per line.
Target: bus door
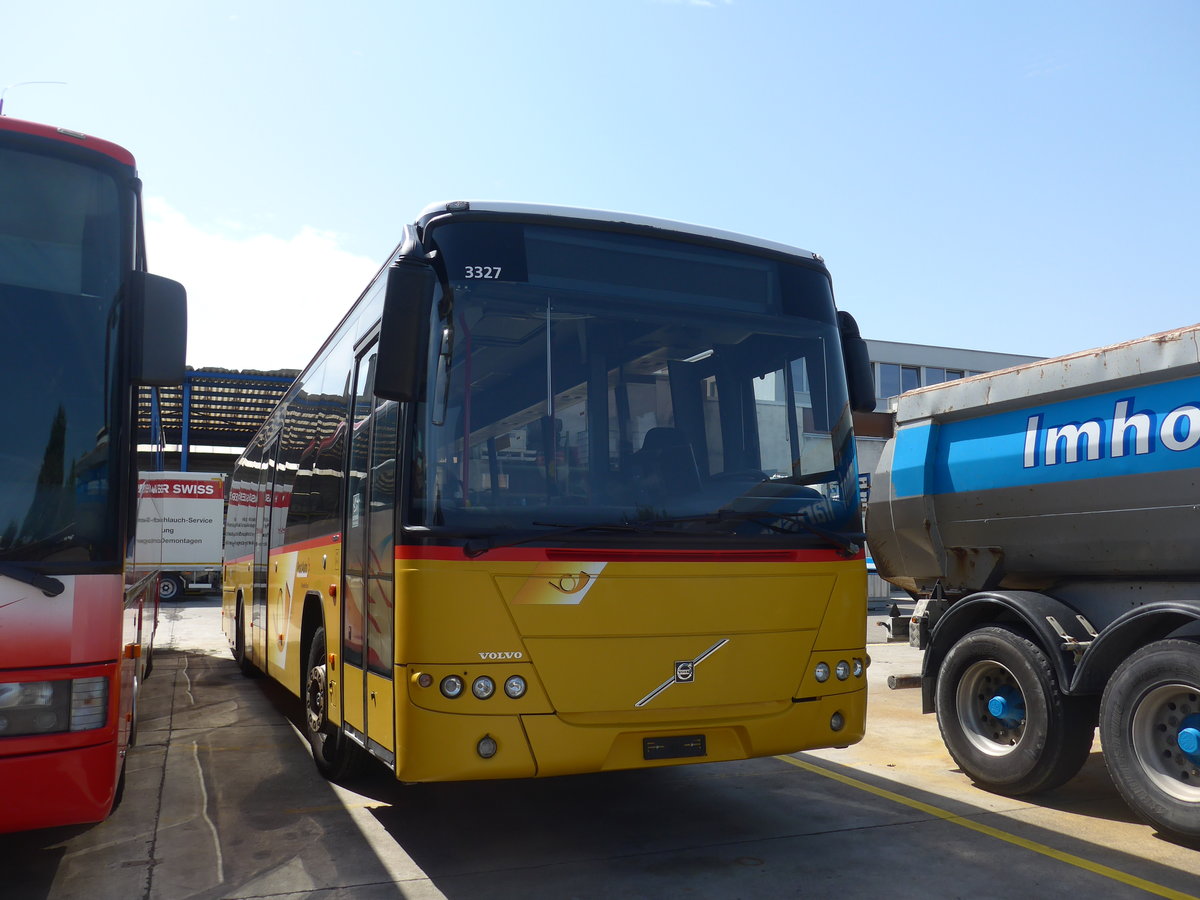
{"x":368,"y":611}
{"x":256,"y":645}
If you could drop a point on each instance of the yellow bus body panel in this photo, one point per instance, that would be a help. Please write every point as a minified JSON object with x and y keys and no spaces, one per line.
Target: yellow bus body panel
{"x":598,"y":645}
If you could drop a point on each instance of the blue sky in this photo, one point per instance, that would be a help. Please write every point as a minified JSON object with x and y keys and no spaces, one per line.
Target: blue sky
{"x":1018,"y":177}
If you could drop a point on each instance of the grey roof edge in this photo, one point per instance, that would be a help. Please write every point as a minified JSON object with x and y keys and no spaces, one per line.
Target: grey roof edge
{"x":1164,"y":356}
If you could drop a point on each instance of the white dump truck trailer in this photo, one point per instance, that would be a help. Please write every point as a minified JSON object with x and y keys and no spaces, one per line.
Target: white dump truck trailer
{"x":1046,"y":518}
{"x":181,"y":527}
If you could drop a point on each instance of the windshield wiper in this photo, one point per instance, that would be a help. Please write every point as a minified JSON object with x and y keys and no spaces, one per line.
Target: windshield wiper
{"x":30,"y":551}
{"x":49,"y":586}
{"x":849,"y":543}
{"x":481,"y":545}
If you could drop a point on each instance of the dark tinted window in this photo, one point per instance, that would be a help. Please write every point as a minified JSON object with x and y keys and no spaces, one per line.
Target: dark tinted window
{"x":63,"y":247}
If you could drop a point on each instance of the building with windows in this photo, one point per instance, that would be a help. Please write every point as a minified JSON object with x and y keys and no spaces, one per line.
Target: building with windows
{"x":904,"y":367}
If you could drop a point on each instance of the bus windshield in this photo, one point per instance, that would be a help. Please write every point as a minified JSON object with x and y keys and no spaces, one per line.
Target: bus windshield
{"x":594,"y":378}
{"x":63,"y":246}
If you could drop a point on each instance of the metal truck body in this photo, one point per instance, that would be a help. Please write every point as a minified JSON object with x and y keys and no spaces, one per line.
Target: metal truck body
{"x":1047,"y":519}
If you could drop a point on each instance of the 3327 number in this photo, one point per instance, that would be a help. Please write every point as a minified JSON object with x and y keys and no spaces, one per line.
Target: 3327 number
{"x":481,"y":271}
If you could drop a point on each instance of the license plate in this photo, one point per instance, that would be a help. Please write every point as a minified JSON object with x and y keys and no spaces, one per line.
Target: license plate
{"x":680,"y":746}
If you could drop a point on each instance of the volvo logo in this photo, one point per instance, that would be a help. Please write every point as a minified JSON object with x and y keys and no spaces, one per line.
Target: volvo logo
{"x":685,"y":672}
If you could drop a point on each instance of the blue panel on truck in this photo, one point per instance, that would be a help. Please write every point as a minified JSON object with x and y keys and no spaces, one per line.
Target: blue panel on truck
{"x":1154,"y":428}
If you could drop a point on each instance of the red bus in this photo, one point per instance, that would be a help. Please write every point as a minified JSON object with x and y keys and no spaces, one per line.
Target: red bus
{"x":86,"y":325}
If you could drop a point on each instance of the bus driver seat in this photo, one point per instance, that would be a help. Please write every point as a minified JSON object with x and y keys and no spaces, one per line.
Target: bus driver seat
{"x":666,"y":464}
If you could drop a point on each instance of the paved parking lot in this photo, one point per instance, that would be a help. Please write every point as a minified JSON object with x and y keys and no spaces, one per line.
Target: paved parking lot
{"x":222,"y":801}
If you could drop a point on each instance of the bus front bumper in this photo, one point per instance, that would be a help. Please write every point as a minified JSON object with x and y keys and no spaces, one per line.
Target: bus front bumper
{"x":453,"y":747}
{"x":64,"y":787}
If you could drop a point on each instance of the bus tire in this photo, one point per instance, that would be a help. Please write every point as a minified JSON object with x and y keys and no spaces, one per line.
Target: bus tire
{"x":170,"y":587}
{"x":1004,"y":719}
{"x":1149,"y":728}
{"x":239,"y":643}
{"x":118,"y":791}
{"x":131,"y":738}
{"x":337,"y":757}
{"x":130,"y":741}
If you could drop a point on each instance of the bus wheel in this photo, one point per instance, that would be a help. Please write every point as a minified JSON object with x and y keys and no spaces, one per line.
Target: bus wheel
{"x":130,"y":741}
{"x":1150,"y":731}
{"x":170,"y":587}
{"x":336,"y":756}
{"x":239,"y":644}
{"x":1003,"y":717}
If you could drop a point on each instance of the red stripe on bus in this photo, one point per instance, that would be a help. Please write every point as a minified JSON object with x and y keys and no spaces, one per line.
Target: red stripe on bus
{"x":597,"y":554}
{"x":66,"y":136}
{"x":550,"y":554}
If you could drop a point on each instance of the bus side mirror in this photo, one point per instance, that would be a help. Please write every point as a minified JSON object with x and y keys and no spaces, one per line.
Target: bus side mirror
{"x":857,"y":360}
{"x":404,"y":329}
{"x":160,"y":325}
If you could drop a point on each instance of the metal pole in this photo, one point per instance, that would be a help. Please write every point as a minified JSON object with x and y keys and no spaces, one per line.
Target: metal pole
{"x":187,"y":413}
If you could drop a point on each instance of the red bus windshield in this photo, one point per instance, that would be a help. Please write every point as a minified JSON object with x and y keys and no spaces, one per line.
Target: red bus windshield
{"x":65,"y":242}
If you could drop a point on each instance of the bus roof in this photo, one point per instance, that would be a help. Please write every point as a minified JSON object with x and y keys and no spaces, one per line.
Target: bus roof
{"x":66,"y":136}
{"x":605,"y":216}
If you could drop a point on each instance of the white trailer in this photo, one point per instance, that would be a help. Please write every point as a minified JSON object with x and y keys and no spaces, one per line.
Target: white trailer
{"x":181,"y":518}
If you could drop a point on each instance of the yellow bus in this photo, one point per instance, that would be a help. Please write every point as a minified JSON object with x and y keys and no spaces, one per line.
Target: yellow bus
{"x":566,"y":491}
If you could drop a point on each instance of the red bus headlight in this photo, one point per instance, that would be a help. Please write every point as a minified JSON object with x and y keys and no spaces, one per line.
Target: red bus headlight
{"x":46,"y":707}
{"x":34,"y":707}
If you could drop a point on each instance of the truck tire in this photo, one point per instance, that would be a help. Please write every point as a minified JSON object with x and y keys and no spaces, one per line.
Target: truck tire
{"x":1150,"y":731}
{"x":170,"y":587}
{"x":1004,"y":719}
{"x":337,"y":757}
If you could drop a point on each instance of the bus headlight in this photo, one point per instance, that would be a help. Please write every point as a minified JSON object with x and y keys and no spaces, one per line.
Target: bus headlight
{"x":47,"y":707}
{"x":821,"y":672}
{"x":483,"y":687}
{"x":452,"y":686}
{"x":843,"y":670}
{"x":514,"y":687}
{"x":26,"y":693}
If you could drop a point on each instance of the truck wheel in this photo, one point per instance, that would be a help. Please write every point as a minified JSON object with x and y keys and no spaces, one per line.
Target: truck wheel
{"x":1003,"y":717}
{"x":1150,"y":731}
{"x":170,"y":587}
{"x":336,"y":756}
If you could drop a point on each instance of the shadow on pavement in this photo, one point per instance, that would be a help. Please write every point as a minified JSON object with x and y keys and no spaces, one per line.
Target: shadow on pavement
{"x":221,"y":800}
